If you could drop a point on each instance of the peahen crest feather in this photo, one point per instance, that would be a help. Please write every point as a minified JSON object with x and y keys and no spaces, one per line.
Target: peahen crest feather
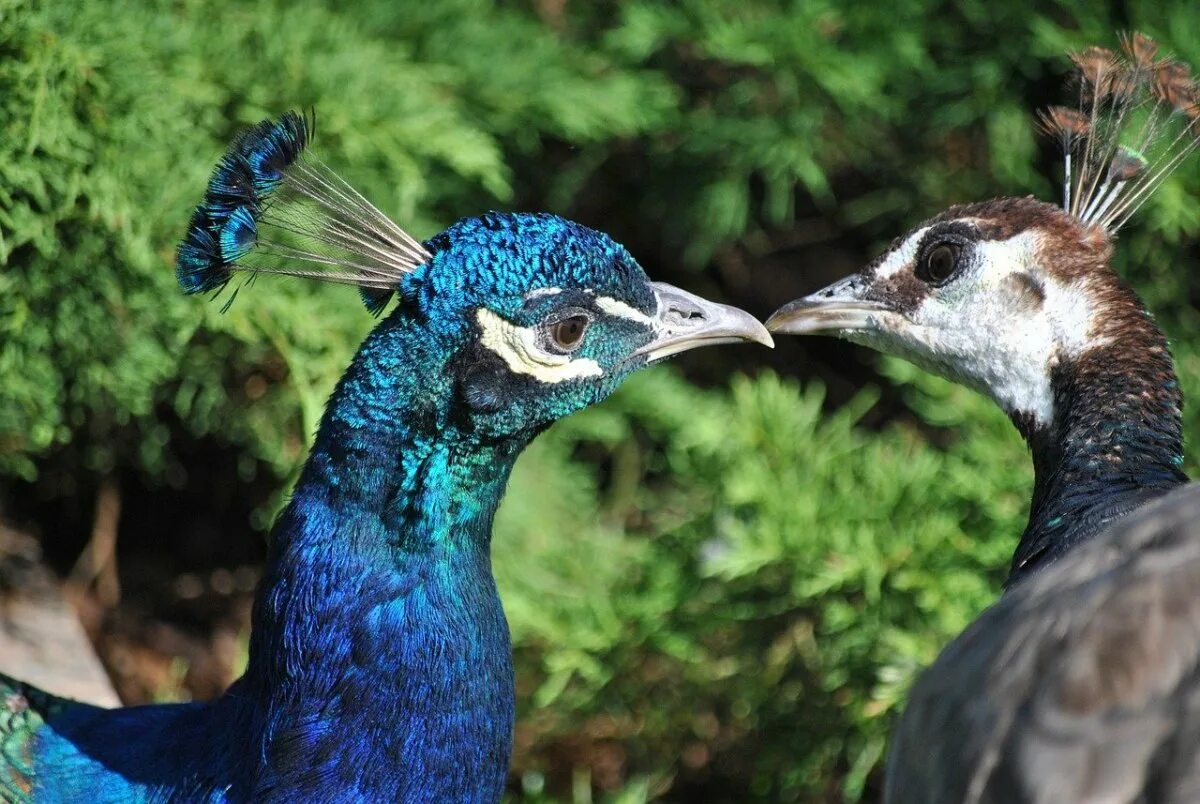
{"x":273,"y":207}
{"x":1137,"y":120}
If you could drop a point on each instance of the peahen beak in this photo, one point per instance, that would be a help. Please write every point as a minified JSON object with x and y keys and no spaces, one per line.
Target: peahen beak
{"x":685,"y":321}
{"x":834,"y":310}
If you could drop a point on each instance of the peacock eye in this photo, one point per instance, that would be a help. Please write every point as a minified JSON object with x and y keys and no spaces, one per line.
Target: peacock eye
{"x":567,"y":333}
{"x":939,"y":263}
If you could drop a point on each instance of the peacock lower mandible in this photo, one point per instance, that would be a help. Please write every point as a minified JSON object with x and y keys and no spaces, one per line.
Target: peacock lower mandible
{"x":380,"y":665}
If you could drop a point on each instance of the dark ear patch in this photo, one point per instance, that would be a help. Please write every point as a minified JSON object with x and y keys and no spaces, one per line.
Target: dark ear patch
{"x":1029,"y":289}
{"x":485,"y":384}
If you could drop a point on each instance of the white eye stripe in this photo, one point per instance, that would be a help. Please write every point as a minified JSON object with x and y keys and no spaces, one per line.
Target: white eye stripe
{"x":518,"y":348}
{"x":906,"y":253}
{"x":607,"y":304}
{"x":902,"y":256}
{"x":538,"y":293}
{"x":622,"y":310}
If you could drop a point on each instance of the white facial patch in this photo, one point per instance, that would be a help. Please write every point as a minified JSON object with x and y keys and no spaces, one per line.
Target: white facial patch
{"x":982,"y":330}
{"x":902,"y":257}
{"x":620,"y":309}
{"x":518,"y":348}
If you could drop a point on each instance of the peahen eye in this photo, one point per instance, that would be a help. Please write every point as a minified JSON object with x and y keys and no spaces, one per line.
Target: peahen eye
{"x":939,"y":264}
{"x":567,"y":333}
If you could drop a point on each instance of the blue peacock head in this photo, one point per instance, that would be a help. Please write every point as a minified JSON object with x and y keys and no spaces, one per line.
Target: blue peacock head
{"x":523,"y":318}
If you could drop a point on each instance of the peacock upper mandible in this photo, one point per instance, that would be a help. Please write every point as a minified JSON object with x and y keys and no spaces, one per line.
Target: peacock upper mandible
{"x":380,"y":665}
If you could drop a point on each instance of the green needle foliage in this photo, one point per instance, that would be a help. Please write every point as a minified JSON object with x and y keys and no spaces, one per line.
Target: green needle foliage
{"x":717,"y":593}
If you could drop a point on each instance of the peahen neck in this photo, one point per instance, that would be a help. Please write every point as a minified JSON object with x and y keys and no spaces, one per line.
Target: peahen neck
{"x":1115,"y":441}
{"x":380,"y":658}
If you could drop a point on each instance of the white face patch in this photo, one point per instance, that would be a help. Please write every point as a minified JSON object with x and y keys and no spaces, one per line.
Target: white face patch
{"x":1074,"y":316}
{"x":982,"y":329}
{"x":622,"y":310}
{"x":518,"y":348}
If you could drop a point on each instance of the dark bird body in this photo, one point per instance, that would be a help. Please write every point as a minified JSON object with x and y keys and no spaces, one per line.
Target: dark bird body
{"x":380,"y":664}
{"x":1082,"y":683}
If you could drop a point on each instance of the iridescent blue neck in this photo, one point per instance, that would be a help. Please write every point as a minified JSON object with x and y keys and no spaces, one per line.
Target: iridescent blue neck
{"x":380,"y":666}
{"x":380,"y":656}
{"x":1116,"y":442}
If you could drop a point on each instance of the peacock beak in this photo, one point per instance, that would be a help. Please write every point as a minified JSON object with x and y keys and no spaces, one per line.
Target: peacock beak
{"x":835,"y":310}
{"x":685,"y":321}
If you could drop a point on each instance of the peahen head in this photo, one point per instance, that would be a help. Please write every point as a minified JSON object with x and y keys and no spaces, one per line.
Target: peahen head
{"x":506,"y":321}
{"x":1016,"y":297}
{"x":999,"y":296}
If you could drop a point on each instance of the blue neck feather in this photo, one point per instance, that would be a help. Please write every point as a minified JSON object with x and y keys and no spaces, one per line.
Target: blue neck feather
{"x":381,"y":654}
{"x":380,"y":659}
{"x":1116,"y":442}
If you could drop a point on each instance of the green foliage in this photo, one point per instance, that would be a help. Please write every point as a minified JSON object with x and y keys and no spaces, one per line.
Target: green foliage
{"x":722,"y":591}
{"x":746,"y":603}
{"x":780,"y":577}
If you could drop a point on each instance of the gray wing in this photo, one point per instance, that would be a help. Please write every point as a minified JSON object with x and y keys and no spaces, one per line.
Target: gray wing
{"x":1081,"y":684}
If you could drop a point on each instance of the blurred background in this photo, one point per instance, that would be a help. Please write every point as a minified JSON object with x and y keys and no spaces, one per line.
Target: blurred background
{"x":721,"y":581}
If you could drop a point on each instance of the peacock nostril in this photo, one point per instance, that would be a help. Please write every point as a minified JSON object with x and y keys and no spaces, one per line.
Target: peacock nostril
{"x":683,"y":315}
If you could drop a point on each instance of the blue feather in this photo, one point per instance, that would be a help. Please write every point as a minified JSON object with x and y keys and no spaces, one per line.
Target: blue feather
{"x":198,"y":265}
{"x":238,"y":234}
{"x":380,"y":665}
{"x":232,"y":185}
{"x":270,"y":148}
{"x":254,"y":164}
{"x":375,"y":300}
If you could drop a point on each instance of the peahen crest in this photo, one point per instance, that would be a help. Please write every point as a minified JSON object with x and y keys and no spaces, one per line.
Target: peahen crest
{"x":1137,"y":119}
{"x":273,"y":207}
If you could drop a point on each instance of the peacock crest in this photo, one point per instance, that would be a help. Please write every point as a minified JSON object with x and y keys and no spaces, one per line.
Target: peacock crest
{"x":273,"y":207}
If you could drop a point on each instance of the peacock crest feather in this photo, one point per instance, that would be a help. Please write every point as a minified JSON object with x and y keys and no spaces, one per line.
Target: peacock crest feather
{"x":1137,"y":119}
{"x":273,"y":207}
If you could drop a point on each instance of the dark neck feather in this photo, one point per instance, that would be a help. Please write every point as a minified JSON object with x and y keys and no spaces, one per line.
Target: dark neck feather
{"x":1115,"y":441}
